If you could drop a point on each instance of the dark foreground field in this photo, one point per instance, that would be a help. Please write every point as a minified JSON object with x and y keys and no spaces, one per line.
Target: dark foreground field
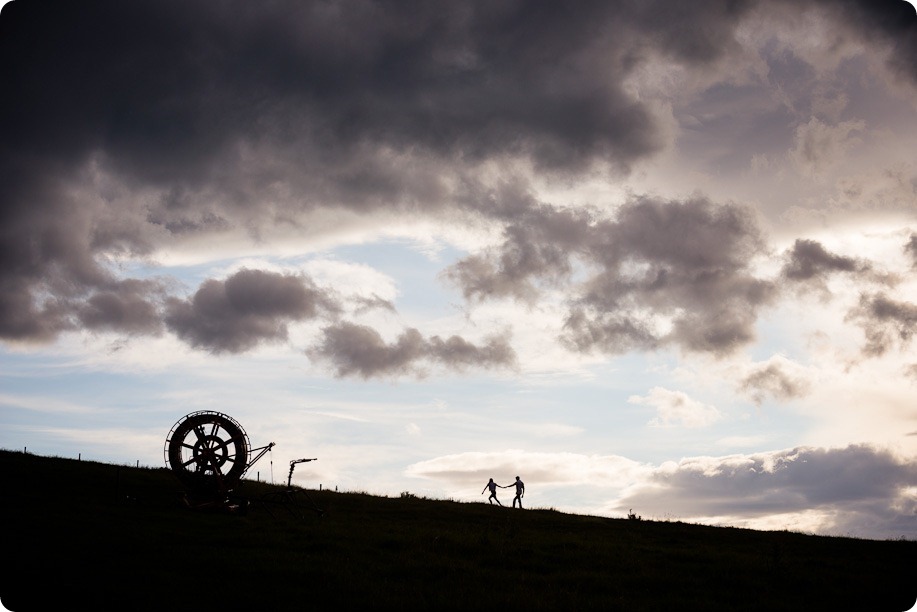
{"x":85,"y":535}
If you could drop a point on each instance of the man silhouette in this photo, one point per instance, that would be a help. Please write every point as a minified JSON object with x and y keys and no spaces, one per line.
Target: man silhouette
{"x":493,"y":491}
{"x":520,"y":492}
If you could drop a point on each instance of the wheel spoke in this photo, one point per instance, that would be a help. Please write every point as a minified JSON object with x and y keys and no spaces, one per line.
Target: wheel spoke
{"x":190,"y":461}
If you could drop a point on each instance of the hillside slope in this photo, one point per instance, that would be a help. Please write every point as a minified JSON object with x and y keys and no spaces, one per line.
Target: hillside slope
{"x":108,"y":537}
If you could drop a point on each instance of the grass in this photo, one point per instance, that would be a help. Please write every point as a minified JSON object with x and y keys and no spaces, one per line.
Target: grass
{"x":80,"y":534}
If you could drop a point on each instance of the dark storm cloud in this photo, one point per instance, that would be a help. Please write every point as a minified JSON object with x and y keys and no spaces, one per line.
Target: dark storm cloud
{"x":893,"y":21}
{"x":51,"y":281}
{"x":169,"y":88}
{"x":686,"y":261}
{"x":885,"y":322}
{"x":126,"y":126}
{"x":863,"y":488}
{"x":249,"y":307}
{"x":358,"y":350}
{"x":695,"y":32}
{"x":125,"y":307}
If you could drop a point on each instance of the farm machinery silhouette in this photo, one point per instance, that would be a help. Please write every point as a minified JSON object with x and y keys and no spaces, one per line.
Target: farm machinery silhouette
{"x":210,"y":453}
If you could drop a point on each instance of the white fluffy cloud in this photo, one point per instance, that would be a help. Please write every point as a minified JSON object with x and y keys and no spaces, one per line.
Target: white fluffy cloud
{"x":675,"y":408}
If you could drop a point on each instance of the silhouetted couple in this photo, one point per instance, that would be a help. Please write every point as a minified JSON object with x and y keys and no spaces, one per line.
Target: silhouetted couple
{"x":520,"y":491}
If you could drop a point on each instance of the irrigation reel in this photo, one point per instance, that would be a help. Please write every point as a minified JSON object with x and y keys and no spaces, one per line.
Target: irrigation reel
{"x":210,"y":452}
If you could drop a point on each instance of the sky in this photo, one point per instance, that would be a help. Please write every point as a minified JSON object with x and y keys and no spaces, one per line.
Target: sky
{"x":651,"y":256}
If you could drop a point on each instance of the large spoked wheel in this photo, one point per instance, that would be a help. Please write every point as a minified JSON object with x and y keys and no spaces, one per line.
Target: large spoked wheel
{"x":208,"y":450}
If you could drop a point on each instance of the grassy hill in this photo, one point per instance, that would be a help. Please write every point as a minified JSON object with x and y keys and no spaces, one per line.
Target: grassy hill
{"x":86,"y":535}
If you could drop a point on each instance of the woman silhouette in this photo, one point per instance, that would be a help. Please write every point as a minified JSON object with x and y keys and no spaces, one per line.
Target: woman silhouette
{"x":493,"y":491}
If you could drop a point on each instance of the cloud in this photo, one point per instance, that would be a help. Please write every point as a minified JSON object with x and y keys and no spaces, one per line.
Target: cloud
{"x":540,"y":242}
{"x":249,"y":307}
{"x":365,"y":304}
{"x":809,"y":260}
{"x":778,"y":377}
{"x":359,"y":350}
{"x":819,"y":147}
{"x":809,"y":266}
{"x":657,"y":263}
{"x":472,"y":469}
{"x":129,"y":306}
{"x":332,"y":86}
{"x":895,"y":22}
{"x":676,"y":408}
{"x":124,"y":307}
{"x":174,"y":122}
{"x":163,"y":124}
{"x":885,"y":322}
{"x":687,"y":261}
{"x":836,"y":491}
{"x":863,"y":489}
{"x":911,"y":249}
{"x":684,"y":264}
